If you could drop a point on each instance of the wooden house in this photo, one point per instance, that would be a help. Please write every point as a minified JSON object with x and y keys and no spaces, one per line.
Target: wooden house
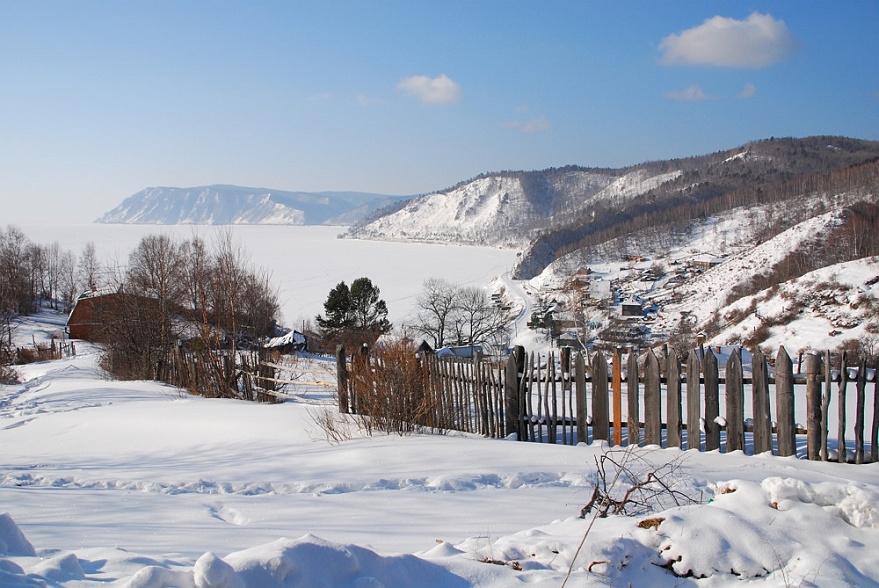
{"x":85,"y":319}
{"x":94,"y":310}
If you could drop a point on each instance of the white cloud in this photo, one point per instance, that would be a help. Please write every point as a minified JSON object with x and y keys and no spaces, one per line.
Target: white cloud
{"x":534,"y":125}
{"x":758,"y":41}
{"x":439,"y":90}
{"x":749,"y":91}
{"x":691,"y":94}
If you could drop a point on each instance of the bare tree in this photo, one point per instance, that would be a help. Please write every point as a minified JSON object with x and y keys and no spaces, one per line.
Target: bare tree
{"x":173,"y":289}
{"x":16,"y":288}
{"x":436,"y":305}
{"x":89,"y":267}
{"x":155,"y":269}
{"x":477,"y":319}
{"x":453,"y":314}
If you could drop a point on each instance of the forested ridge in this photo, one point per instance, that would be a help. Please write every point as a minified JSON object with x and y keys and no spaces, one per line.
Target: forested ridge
{"x":766,"y":172}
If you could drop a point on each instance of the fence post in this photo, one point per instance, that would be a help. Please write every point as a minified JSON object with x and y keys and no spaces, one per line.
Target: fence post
{"x":652,"y":401}
{"x":551,"y":413}
{"x":760,"y":390}
{"x":694,"y":435}
{"x":342,"y":379}
{"x":786,"y":428}
{"x":600,"y":416}
{"x":580,"y":391}
{"x":874,"y":446}
{"x":712,"y":401}
{"x":617,"y":398}
{"x":565,"y":360}
{"x":735,"y":403}
{"x":674,"y":408}
{"x":815,"y":431}
{"x":825,"y":406}
{"x":526,"y":398}
{"x":511,"y":393}
{"x":843,"y":384}
{"x":479,"y":394}
{"x":861,"y":388}
{"x":633,"y":423}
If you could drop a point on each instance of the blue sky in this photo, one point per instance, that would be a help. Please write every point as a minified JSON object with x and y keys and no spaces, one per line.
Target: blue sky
{"x":99,"y":99}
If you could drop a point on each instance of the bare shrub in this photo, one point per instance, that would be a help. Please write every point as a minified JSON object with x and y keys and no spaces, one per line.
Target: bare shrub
{"x":737,"y":315}
{"x":391,"y":394}
{"x":8,"y":375}
{"x":627,"y":483}
{"x":758,"y":335}
{"x":334,"y":427}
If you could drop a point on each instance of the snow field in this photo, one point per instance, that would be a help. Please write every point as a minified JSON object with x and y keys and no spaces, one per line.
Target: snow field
{"x":137,"y":484}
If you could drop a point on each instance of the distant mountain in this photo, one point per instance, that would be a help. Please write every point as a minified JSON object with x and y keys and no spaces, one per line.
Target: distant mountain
{"x":235,"y":205}
{"x":507,"y":208}
{"x":553,"y":212}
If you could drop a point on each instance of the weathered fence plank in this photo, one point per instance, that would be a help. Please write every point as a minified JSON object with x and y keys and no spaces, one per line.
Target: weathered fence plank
{"x":760,"y":392}
{"x":735,"y":403}
{"x":617,"y":397}
{"x":580,"y":391}
{"x":843,"y":384}
{"x":694,"y":409}
{"x":825,"y":407}
{"x":674,"y":407}
{"x":861,"y":389}
{"x":874,"y":448}
{"x":784,"y":404}
{"x":652,"y":400}
{"x":513,"y":421}
{"x":342,"y":379}
{"x":816,"y":433}
{"x":633,"y":422}
{"x":712,"y":401}
{"x":551,"y":415}
{"x":541,"y":400}
{"x":600,"y":412}
{"x":527,"y":397}
{"x":565,"y":369}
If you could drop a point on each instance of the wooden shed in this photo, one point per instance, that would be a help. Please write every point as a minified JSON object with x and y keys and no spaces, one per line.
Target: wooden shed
{"x":85,"y":321}
{"x":94,"y":310}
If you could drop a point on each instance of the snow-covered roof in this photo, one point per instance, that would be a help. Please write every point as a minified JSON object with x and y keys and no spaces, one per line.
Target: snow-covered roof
{"x":291,"y":338}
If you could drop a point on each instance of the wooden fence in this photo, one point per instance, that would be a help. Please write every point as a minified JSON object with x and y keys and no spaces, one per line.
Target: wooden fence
{"x":220,"y":373}
{"x":571,"y":398}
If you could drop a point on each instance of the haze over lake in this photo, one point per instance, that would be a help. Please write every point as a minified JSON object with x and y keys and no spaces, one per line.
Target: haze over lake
{"x":306,"y":261}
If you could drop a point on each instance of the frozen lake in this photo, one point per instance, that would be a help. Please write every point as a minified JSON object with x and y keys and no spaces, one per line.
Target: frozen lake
{"x":306,"y":262}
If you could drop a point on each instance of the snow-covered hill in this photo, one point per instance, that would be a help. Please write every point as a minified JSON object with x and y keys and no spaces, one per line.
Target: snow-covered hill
{"x":831,"y":308}
{"x":507,"y":209}
{"x":711,"y":278}
{"x":234,"y":205}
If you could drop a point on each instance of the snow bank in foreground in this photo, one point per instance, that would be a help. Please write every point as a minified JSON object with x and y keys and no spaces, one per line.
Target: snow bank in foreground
{"x":748,"y":531}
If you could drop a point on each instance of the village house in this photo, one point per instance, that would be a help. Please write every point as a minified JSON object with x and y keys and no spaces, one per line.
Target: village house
{"x":92,"y":311}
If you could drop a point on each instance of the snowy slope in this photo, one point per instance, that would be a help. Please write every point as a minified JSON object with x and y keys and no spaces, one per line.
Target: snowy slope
{"x":233,"y":205}
{"x":482,"y":211}
{"x":706,"y":294}
{"x":507,"y":209}
{"x":824,"y":309}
